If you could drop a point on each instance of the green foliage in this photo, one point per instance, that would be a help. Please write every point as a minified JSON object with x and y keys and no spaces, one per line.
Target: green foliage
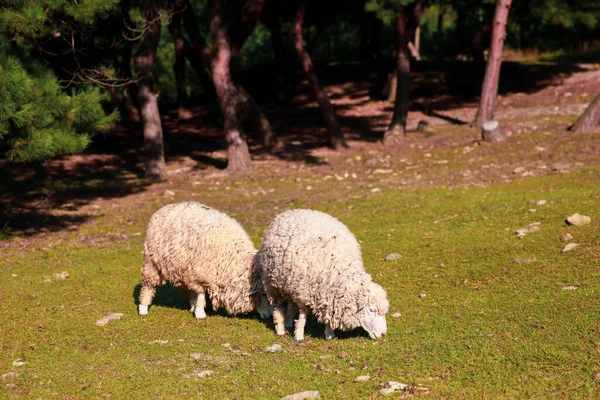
{"x":386,"y":10}
{"x":38,"y":119}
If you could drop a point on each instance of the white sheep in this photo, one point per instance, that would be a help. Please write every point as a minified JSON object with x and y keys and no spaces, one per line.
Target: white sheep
{"x":311,"y":259}
{"x":203,"y":251}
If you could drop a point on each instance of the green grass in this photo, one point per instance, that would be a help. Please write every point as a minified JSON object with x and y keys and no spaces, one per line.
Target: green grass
{"x":487,"y":327}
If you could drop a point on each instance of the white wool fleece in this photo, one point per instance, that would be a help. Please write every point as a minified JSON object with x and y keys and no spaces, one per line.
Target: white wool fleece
{"x":201,"y":249}
{"x":312,"y":259}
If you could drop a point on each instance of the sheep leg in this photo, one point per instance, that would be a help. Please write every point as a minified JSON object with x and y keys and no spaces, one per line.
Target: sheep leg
{"x":193,"y":297}
{"x":278,"y":318}
{"x":146,"y":296}
{"x":290,"y":313}
{"x":199,"y":304}
{"x":299,"y":324}
{"x":150,"y":279}
{"x":329,"y":333}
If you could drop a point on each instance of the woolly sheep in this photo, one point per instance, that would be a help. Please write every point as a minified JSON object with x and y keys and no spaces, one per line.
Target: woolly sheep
{"x":312,"y":260}
{"x":204,"y":251}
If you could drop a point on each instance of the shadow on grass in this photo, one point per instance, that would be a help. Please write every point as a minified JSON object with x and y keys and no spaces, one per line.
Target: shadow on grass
{"x":169,"y":296}
{"x":34,"y":203}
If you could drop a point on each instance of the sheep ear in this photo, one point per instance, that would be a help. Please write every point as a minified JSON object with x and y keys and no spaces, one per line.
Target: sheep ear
{"x":361,"y":305}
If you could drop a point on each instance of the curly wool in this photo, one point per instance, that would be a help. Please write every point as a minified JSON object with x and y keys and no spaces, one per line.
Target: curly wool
{"x":312,"y":259}
{"x":201,"y":249}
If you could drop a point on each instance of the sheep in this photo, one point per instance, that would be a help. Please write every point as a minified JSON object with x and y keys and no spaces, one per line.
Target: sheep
{"x":203,"y":251}
{"x":312,"y":260}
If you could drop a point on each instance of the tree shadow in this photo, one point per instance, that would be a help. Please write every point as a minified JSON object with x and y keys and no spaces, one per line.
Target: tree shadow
{"x":33,"y":203}
{"x":112,"y":167}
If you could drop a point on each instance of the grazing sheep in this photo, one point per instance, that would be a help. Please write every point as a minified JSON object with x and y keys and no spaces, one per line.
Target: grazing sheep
{"x":312,"y":260}
{"x":204,"y":251}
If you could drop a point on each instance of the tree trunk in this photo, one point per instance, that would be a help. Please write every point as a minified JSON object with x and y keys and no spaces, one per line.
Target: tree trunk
{"x":254,"y":120}
{"x":406,"y":28}
{"x":440,"y":18}
{"x":237,"y":148}
{"x":249,"y":16}
{"x":489,"y":89}
{"x":461,"y":16}
{"x":396,"y":130}
{"x":477,"y":52}
{"x":418,"y":42}
{"x":153,"y":134}
{"x":391,"y":86}
{"x":129,"y":113}
{"x":183,"y":112}
{"x":336,"y":138}
{"x":122,"y":62}
{"x":124,"y":65}
{"x":274,"y":27}
{"x":590,"y":119}
{"x":200,"y":58}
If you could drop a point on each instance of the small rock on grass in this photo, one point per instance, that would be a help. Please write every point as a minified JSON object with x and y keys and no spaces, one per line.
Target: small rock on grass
{"x":19,"y":362}
{"x":274,"y":348}
{"x":61,"y":275}
{"x":362,"y":378}
{"x":396,"y":315}
{"x":570,"y":287}
{"x":570,"y":247}
{"x":394,"y":387}
{"x":204,"y":374}
{"x":578,"y":219}
{"x":9,"y":375}
{"x":310,"y":394}
{"x":393,"y":256}
{"x":566,"y":237}
{"x":541,"y":202}
{"x":107,"y":318}
{"x":521,"y":232}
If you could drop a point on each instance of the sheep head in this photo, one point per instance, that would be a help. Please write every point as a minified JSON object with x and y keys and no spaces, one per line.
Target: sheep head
{"x":262,"y":305}
{"x":372,"y":313}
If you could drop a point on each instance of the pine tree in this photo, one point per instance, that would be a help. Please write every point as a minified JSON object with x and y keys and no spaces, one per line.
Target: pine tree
{"x":38,"y":118}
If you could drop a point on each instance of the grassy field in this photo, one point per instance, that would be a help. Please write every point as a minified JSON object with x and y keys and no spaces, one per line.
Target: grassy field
{"x":476,"y":319}
{"x":475,"y":311}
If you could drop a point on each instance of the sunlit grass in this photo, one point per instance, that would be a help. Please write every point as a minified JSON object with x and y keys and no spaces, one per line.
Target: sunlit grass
{"x":474,"y":321}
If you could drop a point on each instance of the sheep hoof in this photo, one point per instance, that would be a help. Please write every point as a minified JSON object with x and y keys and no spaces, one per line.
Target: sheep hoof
{"x":280,"y":332}
{"x":143,"y":310}
{"x":299,"y":338}
{"x":199,"y":313}
{"x":329,"y":333}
